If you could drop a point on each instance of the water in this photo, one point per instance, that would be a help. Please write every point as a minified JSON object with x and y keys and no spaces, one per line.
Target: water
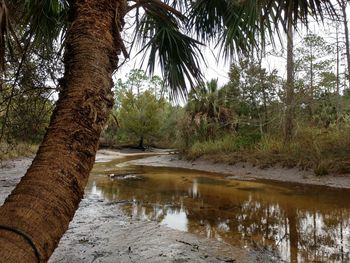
{"x":295,"y":223}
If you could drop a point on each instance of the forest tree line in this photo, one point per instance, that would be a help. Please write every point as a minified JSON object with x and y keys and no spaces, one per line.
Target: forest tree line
{"x":245,"y":119}
{"x":253,"y":117}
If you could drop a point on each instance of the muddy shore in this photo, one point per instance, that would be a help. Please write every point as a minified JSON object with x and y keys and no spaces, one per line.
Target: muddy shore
{"x":101,"y":232}
{"x":246,"y":171}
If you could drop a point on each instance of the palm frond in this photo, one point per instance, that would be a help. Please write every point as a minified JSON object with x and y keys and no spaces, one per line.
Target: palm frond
{"x":46,"y":19}
{"x":4,"y":28}
{"x":160,"y":34}
{"x":242,"y":23}
{"x":38,"y":20}
{"x":293,"y":11}
{"x":206,"y":18}
{"x":236,"y":25}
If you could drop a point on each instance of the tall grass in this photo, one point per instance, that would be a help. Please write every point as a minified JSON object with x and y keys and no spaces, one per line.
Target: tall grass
{"x":322,"y":150}
{"x":230,"y":143}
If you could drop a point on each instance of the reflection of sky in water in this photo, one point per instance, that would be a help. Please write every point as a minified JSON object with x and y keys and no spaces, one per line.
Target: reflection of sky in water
{"x":176,"y":220}
{"x":295,"y":224}
{"x":95,"y":192}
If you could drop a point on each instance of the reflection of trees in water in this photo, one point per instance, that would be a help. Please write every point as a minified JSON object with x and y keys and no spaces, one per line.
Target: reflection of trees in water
{"x":293,"y":230}
{"x":325,"y":235}
{"x":295,"y":235}
{"x":339,"y":222}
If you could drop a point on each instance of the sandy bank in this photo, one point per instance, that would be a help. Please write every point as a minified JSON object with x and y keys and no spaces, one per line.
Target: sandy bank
{"x":245,"y":171}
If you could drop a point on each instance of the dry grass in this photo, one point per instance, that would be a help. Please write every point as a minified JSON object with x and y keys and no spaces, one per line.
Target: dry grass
{"x":8,"y":151}
{"x":324,"y":151}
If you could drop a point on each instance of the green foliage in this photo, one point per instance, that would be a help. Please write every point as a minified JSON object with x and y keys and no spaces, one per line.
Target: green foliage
{"x":229,"y":143}
{"x":141,"y":112}
{"x":256,"y":100}
{"x":136,"y":81}
{"x":29,"y":117}
{"x":234,"y":25}
{"x":26,"y":98}
{"x":250,"y":91}
{"x":46,"y":19}
{"x":168,"y":132}
{"x":244,"y":104}
{"x":206,"y":117}
{"x":164,"y":29}
{"x":140,"y":115}
{"x":313,"y":65}
{"x":159,"y":33}
{"x":312,"y":61}
{"x":233,"y":118}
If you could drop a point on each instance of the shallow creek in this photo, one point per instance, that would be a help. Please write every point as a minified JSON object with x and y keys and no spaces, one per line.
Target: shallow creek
{"x":295,"y":223}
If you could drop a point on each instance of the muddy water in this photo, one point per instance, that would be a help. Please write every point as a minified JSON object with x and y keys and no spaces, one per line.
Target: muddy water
{"x":292,"y":222}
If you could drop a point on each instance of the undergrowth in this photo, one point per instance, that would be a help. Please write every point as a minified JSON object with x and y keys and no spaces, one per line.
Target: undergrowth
{"x":11,"y":151}
{"x":324,"y":151}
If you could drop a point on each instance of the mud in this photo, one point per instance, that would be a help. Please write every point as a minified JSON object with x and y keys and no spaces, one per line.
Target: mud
{"x":101,"y":232}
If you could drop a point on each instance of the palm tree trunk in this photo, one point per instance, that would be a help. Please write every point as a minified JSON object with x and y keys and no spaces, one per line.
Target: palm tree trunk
{"x":44,"y":202}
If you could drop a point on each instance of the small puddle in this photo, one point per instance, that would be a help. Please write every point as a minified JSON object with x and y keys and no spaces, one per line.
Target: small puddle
{"x":294,"y":222}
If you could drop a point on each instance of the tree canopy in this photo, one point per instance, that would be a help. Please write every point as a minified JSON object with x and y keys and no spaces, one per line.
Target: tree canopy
{"x":169,"y":33}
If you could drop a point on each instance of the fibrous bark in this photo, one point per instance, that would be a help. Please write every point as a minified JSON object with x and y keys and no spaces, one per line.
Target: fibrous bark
{"x":45,"y":200}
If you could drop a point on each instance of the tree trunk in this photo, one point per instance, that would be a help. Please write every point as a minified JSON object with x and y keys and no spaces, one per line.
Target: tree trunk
{"x":338,"y":83}
{"x":293,"y":233}
{"x":312,"y":90}
{"x":141,"y":143}
{"x":44,"y":202}
{"x":263,"y":91}
{"x":289,"y":115}
{"x":343,"y":4}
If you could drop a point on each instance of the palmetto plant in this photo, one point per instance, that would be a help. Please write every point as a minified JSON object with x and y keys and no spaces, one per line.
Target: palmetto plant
{"x":170,"y":33}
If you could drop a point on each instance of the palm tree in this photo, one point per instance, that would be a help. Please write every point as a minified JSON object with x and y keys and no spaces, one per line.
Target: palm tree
{"x":203,"y":99}
{"x":37,"y":213}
